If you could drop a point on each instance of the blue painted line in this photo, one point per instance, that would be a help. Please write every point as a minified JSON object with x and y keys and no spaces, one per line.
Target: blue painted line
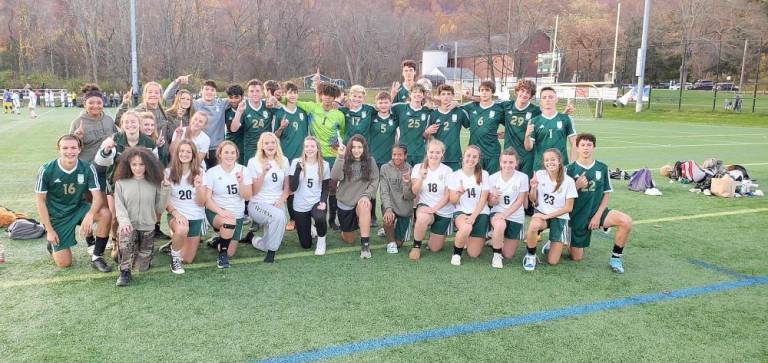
{"x":720,"y":269}
{"x":514,"y":321}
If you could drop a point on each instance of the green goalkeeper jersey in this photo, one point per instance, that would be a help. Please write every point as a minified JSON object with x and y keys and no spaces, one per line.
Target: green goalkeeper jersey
{"x":327,"y":126}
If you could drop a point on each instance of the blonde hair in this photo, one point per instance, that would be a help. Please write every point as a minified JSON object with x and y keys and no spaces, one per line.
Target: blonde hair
{"x":261,"y":155}
{"x":435,"y":142}
{"x":145,"y":92}
{"x":220,"y":149}
{"x":149,"y":115}
{"x":318,"y":157}
{"x":357,"y":89}
{"x":130,"y":114}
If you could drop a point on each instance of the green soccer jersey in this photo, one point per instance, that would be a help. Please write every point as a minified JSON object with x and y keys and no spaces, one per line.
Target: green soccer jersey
{"x":64,"y":189}
{"x":483,"y":127}
{"x":237,"y":136}
{"x":515,"y":123}
{"x":254,"y":122}
{"x":598,"y":183}
{"x":326,"y":126}
{"x":402,"y":94}
{"x":412,"y":123}
{"x":358,"y":121}
{"x":383,"y":134}
{"x":292,"y":139}
{"x":551,"y":133}
{"x":449,"y":131}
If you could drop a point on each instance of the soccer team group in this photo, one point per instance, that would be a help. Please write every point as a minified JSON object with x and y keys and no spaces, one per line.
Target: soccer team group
{"x":237,"y":164}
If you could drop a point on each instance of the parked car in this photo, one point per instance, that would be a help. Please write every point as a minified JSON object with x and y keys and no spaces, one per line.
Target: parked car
{"x":676,"y":86}
{"x":726,"y":86}
{"x":703,"y":85}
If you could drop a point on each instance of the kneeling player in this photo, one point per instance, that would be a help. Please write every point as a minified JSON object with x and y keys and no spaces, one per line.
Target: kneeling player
{"x":396,"y":198}
{"x":590,"y":210}
{"x":60,"y":187}
{"x":509,"y":190}
{"x":468,"y":188}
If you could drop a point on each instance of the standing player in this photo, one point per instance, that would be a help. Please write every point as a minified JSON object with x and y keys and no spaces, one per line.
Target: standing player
{"x":63,"y":97}
{"x":401,"y":92}
{"x":549,"y":130}
{"x":484,"y":120}
{"x":412,"y":119}
{"x":590,"y":210}
{"x":508,"y":198}
{"x":253,"y":117}
{"x":292,"y":130}
{"x":552,"y":193}
{"x":234,"y":96}
{"x":60,"y":187}
{"x":469,"y":194}
{"x":151,"y":101}
{"x":7,"y":101}
{"x":32,"y":103}
{"x":518,"y":113}
{"x":449,"y":122}
{"x":327,"y":125}
{"x":16,"y":97}
{"x":396,"y":198}
{"x":383,"y":130}
{"x":429,"y":180}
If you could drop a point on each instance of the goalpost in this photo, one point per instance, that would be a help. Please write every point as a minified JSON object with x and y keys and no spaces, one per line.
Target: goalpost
{"x":587,"y":97}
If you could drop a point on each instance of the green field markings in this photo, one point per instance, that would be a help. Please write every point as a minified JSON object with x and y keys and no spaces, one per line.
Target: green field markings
{"x":302,"y":254}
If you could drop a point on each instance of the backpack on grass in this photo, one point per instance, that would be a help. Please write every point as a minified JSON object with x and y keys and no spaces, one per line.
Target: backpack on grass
{"x":641,"y":180}
{"x":25,"y":228}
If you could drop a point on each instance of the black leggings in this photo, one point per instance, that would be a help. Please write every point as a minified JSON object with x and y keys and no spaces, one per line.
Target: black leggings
{"x":291,"y":211}
{"x":304,"y":225}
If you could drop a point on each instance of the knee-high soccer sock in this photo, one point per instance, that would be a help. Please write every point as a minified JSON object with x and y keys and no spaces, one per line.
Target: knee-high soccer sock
{"x":223,"y":244}
{"x":90,"y":240}
{"x":373,"y":210}
{"x":617,"y":251}
{"x":99,"y":247}
{"x":416,"y":244}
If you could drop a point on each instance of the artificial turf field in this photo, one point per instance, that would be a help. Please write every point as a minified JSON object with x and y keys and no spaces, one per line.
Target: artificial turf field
{"x":694,"y":288}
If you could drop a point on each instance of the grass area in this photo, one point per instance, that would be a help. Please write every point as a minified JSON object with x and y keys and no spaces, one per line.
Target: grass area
{"x":303,"y":302}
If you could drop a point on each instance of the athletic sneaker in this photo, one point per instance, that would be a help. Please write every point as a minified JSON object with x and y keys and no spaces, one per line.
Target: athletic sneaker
{"x":529,"y":262}
{"x":381,"y":232}
{"x":391,"y":247}
{"x":165,"y":249}
{"x":606,"y":231}
{"x":176,"y":266}
{"x":497,"y":261}
{"x":333,"y":226}
{"x":290,"y":226}
{"x":123,"y":279}
{"x":488,"y":243}
{"x":365,"y":252}
{"x":247,"y":239}
{"x":101,"y":265}
{"x":259,"y":243}
{"x":545,"y":248}
{"x":617,"y":265}
{"x":320,"y":249}
{"x":456,"y":260}
{"x":222,"y":261}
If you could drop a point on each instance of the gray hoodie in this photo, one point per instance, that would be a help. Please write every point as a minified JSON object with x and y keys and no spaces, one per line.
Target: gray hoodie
{"x":137,"y":203}
{"x":394,"y":194}
{"x":351,"y":189}
{"x":96,"y":130}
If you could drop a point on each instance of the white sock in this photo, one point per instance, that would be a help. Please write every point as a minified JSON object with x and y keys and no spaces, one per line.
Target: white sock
{"x":321,"y":239}
{"x":393,"y":242}
{"x":175,"y":253}
{"x":94,"y":257}
{"x":496,"y":254}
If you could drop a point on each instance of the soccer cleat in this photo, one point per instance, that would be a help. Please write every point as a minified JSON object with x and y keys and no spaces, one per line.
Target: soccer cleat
{"x":365,"y":252}
{"x":270,"y":258}
{"x":381,"y":232}
{"x":497,"y":261}
{"x":165,"y":249}
{"x":529,"y":262}
{"x":606,"y":231}
{"x":391,"y":247}
{"x":320,"y":248}
{"x":617,"y":265}
{"x":223,"y":260}
{"x":415,"y":254}
{"x":259,"y":243}
{"x":176,"y":265}
{"x":545,"y":248}
{"x":456,"y":260}
{"x":290,"y":226}
{"x":101,"y":265}
{"x":123,"y":279}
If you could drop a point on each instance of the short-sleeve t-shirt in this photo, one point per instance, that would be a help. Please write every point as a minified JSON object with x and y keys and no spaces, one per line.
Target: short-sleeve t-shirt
{"x":472,"y":191}
{"x":433,"y":187}
{"x":256,"y":120}
{"x":548,"y":199}
{"x":202,"y":141}
{"x":383,"y":134}
{"x":272,"y":188}
{"x":183,"y":197}
{"x":310,"y":186}
{"x":449,"y":131}
{"x":225,"y":188}
{"x":292,"y":138}
{"x":358,"y":121}
{"x":551,"y":133}
{"x":515,"y":123}
{"x":63,"y":188}
{"x":483,"y":127}
{"x":598,"y":183}
{"x":412,"y":123}
{"x":509,"y":191}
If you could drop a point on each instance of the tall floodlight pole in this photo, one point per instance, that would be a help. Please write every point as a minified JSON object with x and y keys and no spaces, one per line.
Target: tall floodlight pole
{"x":615,"y":44}
{"x":134,"y":57}
{"x":554,"y":50}
{"x":641,"y":61}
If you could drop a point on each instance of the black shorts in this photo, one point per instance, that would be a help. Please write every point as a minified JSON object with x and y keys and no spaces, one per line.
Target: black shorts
{"x":348,"y":220}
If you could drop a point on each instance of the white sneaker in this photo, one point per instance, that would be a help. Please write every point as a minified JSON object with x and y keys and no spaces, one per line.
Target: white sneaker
{"x":365,"y":253}
{"x":259,"y":243}
{"x":391,"y":247}
{"x":707,"y":192}
{"x":456,"y":260}
{"x":381,"y":233}
{"x":177,"y":266}
{"x":497,"y":261}
{"x":320,"y":249}
{"x":529,"y":262}
{"x":313,"y":231}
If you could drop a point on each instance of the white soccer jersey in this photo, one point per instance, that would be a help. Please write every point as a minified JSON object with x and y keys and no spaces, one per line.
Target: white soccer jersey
{"x":225,"y":188}
{"x":433,"y":187}
{"x":472,"y":191}
{"x":548,"y":199}
{"x":202,"y":141}
{"x":509,"y":190}
{"x":310,"y":186}
{"x":183,"y":198}
{"x":272,"y":188}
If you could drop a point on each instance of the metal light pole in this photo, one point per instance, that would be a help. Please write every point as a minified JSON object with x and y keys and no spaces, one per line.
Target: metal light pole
{"x":615,"y":44}
{"x":641,"y":61}
{"x":134,"y":57}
